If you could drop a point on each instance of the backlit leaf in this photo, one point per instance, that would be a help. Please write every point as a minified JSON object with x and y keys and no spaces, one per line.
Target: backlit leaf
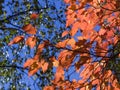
{"x":17,"y":39}
{"x":31,"y":41}
{"x":29,"y":29}
{"x":34,"y":16}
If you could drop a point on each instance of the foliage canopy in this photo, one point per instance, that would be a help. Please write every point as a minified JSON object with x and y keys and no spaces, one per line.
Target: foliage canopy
{"x":86,"y":44}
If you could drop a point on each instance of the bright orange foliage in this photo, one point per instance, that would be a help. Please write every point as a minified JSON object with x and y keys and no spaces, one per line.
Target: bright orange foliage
{"x":83,"y":16}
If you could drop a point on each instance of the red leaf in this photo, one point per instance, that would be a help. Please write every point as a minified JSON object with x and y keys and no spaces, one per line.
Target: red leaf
{"x":95,"y":82}
{"x":65,"y":58}
{"x":31,"y":41}
{"x":34,"y":16}
{"x":32,"y":72}
{"x":102,"y":31}
{"x":29,"y":29}
{"x":65,"y":33}
{"x":110,"y":34}
{"x":44,"y":67}
{"x":28,"y":63}
{"x":48,"y":88}
{"x":54,"y":61}
{"x":17,"y":39}
{"x":62,"y":44}
{"x":59,"y":75}
{"x":40,"y":47}
{"x":75,"y":28}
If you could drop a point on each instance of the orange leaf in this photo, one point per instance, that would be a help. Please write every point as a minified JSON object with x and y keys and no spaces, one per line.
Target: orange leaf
{"x":110,"y":34}
{"x":71,"y":42}
{"x":48,"y":88}
{"x":65,"y":33}
{"x":29,"y":29}
{"x":108,"y":74}
{"x":40,"y":47}
{"x":102,"y":31}
{"x":30,"y":73}
{"x":62,"y":44}
{"x":95,"y":82}
{"x":31,"y":41}
{"x":54,"y":61}
{"x":59,"y":75}
{"x":17,"y":39}
{"x":65,"y":58}
{"x":28,"y":63}
{"x":66,"y":1}
{"x":75,"y":28}
{"x":44,"y":67}
{"x":34,"y":16}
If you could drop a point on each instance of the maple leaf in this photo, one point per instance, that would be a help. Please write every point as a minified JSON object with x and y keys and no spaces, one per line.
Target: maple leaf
{"x":17,"y":39}
{"x":29,"y":29}
{"x":34,"y":16}
{"x":31,"y":41}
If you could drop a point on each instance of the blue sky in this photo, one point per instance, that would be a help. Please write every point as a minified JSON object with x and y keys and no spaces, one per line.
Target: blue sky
{"x":22,"y":53}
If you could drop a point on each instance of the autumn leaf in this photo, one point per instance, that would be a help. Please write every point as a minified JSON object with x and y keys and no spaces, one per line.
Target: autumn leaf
{"x":71,"y":42}
{"x":110,"y":34}
{"x":62,"y":44}
{"x":28,"y":63}
{"x":95,"y":81}
{"x":59,"y":75}
{"x":44,"y":67}
{"x":84,"y":2}
{"x":54,"y":61}
{"x":29,"y":29}
{"x":16,"y":40}
{"x":65,"y":58}
{"x":31,"y":41}
{"x":108,"y":74}
{"x":102,"y":31}
{"x":49,"y":88}
{"x":75,"y":28}
{"x":40,"y":47}
{"x":32,"y":72}
{"x":66,"y":32}
{"x":34,"y":16}
{"x":66,"y":1}
{"x":34,"y":67}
